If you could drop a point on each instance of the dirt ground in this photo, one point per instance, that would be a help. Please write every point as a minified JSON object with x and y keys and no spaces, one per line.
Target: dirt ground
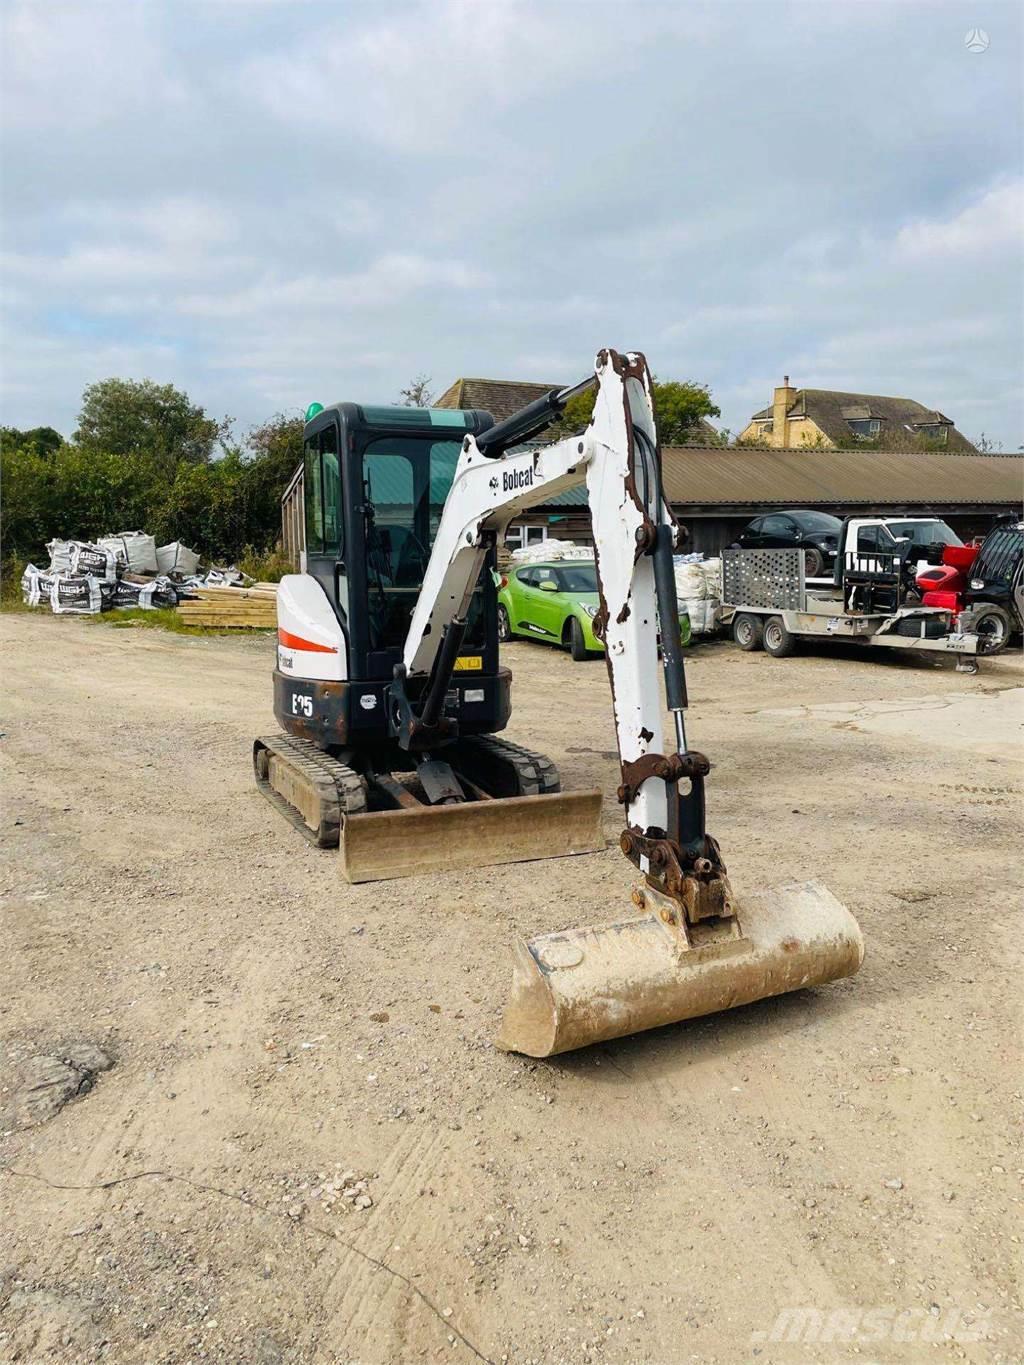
{"x":278,"y":1035}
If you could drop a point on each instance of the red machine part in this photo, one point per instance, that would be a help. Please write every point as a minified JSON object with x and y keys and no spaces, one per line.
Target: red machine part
{"x":960,"y":556}
{"x":941,"y":578}
{"x":942,"y":585}
{"x":952,"y":601}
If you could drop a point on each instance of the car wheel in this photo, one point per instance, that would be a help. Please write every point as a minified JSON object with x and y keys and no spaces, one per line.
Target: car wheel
{"x":814,"y":562}
{"x":778,"y":641}
{"x":993,"y":626}
{"x":577,"y":645}
{"x":504,"y":625}
{"x":748,"y":631}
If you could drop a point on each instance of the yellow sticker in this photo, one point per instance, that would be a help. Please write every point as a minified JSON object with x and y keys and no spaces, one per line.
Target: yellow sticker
{"x":469,"y":663}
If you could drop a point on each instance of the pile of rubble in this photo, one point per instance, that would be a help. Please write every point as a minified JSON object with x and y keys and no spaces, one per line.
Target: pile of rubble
{"x":124,"y":570}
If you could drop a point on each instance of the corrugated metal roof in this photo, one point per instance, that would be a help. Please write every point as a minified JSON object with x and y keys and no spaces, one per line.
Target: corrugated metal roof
{"x":801,"y":478}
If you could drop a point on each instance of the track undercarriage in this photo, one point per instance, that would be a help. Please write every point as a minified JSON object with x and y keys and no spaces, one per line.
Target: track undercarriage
{"x":489,"y":801}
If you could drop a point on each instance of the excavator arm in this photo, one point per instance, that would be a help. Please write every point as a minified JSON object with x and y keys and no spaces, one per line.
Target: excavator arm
{"x":635,"y":534}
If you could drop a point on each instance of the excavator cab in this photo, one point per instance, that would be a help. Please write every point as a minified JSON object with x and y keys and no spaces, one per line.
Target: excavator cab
{"x":375,"y":480}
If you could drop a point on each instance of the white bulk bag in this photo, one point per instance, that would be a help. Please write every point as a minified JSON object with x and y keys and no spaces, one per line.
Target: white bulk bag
{"x":96,"y":560}
{"x":35,"y":586}
{"x":176,"y":558}
{"x":690,"y":582}
{"x":134,"y":549}
{"x":543,"y":551}
{"x":76,"y":596}
{"x":713,"y":577}
{"x":60,"y":555}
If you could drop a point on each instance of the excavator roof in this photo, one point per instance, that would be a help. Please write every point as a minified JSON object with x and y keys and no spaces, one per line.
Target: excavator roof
{"x":357,"y":416}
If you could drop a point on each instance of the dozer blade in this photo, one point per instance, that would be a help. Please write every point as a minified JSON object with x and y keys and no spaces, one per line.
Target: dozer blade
{"x":407,"y":843}
{"x":588,"y":985}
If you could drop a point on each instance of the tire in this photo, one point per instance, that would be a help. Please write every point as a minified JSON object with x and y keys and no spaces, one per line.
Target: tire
{"x":577,"y":647}
{"x":504,"y":625}
{"x":814,"y":562}
{"x":778,"y":642}
{"x":748,"y":631}
{"x":993,"y":626}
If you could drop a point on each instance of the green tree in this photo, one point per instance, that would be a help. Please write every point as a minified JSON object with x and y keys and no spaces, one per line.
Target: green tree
{"x":69,"y":492}
{"x":41,"y":440}
{"x":128,"y":417}
{"x":274,"y":454}
{"x":679,"y":408}
{"x":417,"y":393}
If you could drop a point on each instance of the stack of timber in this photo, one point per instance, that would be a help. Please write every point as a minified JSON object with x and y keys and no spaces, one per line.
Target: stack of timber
{"x":232,"y":608}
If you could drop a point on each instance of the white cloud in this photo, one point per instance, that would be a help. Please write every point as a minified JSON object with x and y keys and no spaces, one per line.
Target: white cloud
{"x":83,"y":64}
{"x":274,"y":201}
{"x":994,"y":222}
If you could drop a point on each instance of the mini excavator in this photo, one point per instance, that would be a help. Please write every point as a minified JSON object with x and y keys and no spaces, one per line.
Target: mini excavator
{"x":391,"y":699}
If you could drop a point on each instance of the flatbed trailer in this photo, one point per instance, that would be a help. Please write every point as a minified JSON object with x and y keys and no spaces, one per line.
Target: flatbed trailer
{"x":771,"y":605}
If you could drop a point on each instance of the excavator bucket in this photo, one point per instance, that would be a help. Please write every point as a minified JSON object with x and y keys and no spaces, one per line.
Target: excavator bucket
{"x":589,"y":985}
{"x":379,"y":845}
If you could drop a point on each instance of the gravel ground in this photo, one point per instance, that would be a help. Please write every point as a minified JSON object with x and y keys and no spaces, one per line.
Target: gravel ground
{"x":307,"y":1148}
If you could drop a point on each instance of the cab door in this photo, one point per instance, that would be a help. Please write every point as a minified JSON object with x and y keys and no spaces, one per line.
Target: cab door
{"x":325,"y":522}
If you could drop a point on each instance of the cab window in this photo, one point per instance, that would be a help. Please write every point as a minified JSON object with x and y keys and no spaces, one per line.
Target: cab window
{"x":324,"y":522}
{"x":330,"y":475}
{"x":313,"y":496}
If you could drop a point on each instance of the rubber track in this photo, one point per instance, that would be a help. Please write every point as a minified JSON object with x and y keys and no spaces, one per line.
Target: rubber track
{"x":340,"y":789}
{"x":537,"y":775}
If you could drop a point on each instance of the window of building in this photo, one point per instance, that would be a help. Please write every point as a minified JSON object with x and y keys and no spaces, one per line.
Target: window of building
{"x":864,"y":428}
{"x":933,"y":431}
{"x":516,"y":537}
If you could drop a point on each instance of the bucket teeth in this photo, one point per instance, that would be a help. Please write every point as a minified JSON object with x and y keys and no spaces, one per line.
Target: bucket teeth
{"x":589,"y":985}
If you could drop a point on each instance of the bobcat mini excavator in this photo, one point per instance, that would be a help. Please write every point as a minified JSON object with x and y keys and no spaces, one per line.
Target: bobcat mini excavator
{"x":387,"y":669}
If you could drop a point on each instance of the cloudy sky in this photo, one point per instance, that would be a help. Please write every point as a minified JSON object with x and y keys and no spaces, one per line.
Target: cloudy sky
{"x":269,"y":203}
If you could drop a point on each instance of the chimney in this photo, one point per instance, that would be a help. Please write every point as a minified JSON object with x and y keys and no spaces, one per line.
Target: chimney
{"x":781,"y":404}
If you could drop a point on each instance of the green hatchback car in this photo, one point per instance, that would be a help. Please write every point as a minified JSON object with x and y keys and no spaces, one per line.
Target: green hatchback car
{"x":556,"y":602}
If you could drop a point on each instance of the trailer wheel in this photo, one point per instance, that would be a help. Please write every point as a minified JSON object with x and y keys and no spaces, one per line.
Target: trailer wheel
{"x":747,"y":631}
{"x":778,"y":641}
{"x":993,"y":627}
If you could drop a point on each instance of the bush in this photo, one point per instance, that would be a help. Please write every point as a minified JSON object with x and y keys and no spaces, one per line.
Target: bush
{"x":223,"y":508}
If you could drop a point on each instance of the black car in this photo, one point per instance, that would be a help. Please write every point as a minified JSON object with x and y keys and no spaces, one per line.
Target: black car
{"x":816,"y":533}
{"x":995,"y":588}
